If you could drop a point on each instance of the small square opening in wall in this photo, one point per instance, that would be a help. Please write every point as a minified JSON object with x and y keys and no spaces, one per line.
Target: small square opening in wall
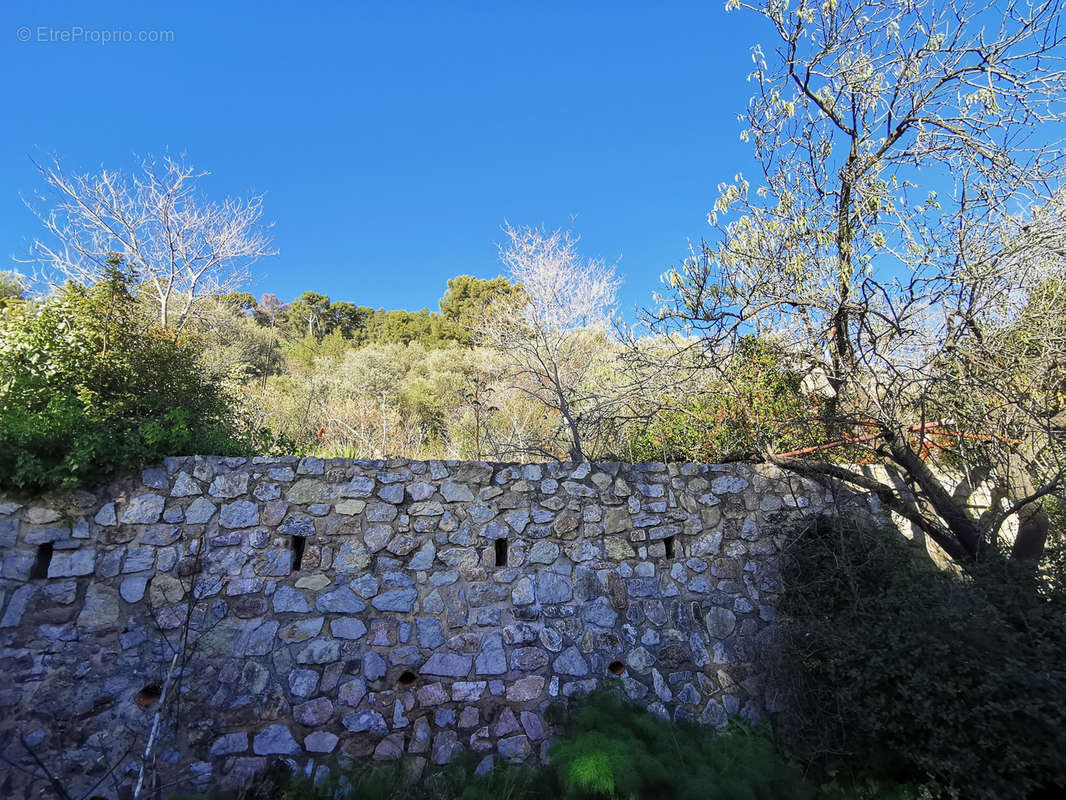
{"x":43,"y":561}
{"x":668,"y":543}
{"x":500,"y":546}
{"x":298,"y":545}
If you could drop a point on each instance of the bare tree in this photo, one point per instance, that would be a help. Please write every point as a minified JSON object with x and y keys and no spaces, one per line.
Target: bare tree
{"x":181,"y":247}
{"x":898,"y":229}
{"x":555,"y":336}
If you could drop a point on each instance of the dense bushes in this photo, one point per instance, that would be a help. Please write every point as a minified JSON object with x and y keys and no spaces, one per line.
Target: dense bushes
{"x":612,"y":749}
{"x":915,"y":674}
{"x":89,"y":388}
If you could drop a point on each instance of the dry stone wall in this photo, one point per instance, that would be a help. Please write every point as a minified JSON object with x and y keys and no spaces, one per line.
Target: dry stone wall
{"x":310,"y":609}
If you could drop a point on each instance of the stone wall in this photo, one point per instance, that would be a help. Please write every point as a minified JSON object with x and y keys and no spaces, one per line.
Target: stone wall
{"x":318,"y":608}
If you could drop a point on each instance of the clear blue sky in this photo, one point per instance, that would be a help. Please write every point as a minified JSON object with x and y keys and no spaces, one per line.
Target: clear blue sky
{"x":393,"y":139}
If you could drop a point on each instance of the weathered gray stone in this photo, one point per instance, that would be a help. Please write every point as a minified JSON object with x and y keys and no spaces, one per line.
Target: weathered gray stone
{"x":456,"y":492}
{"x":138,"y":559}
{"x":374,"y":666}
{"x":350,"y":507}
{"x":39,"y":515}
{"x":287,"y":599}
{"x":543,"y":552}
{"x":720,"y":622}
{"x":714,"y":714}
{"x":275,"y":740}
{"x":359,"y":486}
{"x":514,"y":748}
{"x":445,"y":747}
{"x":296,"y":524}
{"x":300,"y":630}
{"x":165,"y":590}
{"x":314,"y":712}
{"x":376,"y":537}
{"x":640,"y":660}
{"x":396,"y":600}
{"x":429,"y":508}
{"x":526,"y":689}
{"x":533,"y":725}
{"x":340,"y":600}
{"x":523,"y":592}
{"x":228,"y":744}
{"x":551,"y":639}
{"x":468,"y":691}
{"x":448,"y":665}
{"x":16,"y":607}
{"x":599,"y":612}
{"x":307,"y":490}
{"x":570,"y":662}
{"x":100,"y":609}
{"x":200,"y":511}
{"x":401,"y":544}
{"x":185,"y":486}
{"x":347,"y":628}
{"x":319,"y":651}
{"x":239,"y":514}
{"x":554,"y":588}
{"x":144,"y":509}
{"x":265,"y":490}
{"x":728,"y":484}
{"x":351,"y":693}
{"x":71,"y":563}
{"x":321,"y":742}
{"x":310,"y":466}
{"x":273,"y":563}
{"x":491,"y":660}
{"x":259,"y":641}
{"x":370,"y":721}
{"x":351,"y":557}
{"x":390,"y":748}
{"x":528,"y":659}
{"x":391,"y":493}
{"x":132,"y":589}
{"x":229,"y":485}
{"x":423,"y":559}
{"x":9,"y":529}
{"x":303,"y":682}
{"x":380,"y":512}
{"x":105,"y":517}
{"x":429,"y":632}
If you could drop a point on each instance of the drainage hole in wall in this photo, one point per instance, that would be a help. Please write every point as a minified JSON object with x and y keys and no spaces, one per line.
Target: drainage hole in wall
{"x":44,"y":559}
{"x":407,"y":679}
{"x":148,"y":696}
{"x":298,"y":545}
{"x":668,"y":543}
{"x":501,"y":552}
{"x":616,"y":667}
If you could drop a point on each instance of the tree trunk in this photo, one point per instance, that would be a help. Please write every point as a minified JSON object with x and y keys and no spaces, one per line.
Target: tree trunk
{"x":966,"y":531}
{"x":1033,"y":521}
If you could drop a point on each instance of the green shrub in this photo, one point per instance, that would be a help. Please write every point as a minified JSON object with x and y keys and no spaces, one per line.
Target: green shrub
{"x":88,"y":388}
{"x":913,"y":674}
{"x":612,"y":749}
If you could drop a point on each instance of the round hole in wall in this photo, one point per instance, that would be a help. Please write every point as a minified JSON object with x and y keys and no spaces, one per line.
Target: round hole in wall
{"x":407,"y":679}
{"x":616,"y":667}
{"x":148,"y":696}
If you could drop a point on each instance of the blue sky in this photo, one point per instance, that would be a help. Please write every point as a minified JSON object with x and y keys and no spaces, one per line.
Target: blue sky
{"x":392,"y":140}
